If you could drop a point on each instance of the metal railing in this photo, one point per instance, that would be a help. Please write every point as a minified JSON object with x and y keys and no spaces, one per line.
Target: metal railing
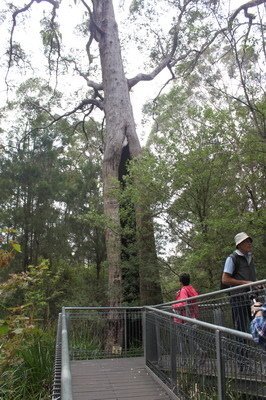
{"x":104,"y":332}
{"x":56,"y":391}
{"x":86,"y":333}
{"x":199,"y":360}
{"x":66,"y":386}
{"x":220,"y":306}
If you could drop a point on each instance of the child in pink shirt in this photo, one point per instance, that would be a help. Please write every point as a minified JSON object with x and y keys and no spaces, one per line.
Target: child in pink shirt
{"x":188,"y":309}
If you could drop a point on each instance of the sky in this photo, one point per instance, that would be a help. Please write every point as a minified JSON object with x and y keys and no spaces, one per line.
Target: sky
{"x":29,"y":36}
{"x":70,"y":16}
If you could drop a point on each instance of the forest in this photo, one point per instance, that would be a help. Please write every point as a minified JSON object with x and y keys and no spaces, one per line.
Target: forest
{"x":91,"y":213}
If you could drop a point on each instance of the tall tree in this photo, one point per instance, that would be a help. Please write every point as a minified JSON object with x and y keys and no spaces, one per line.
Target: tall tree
{"x":49,"y":186}
{"x":112,"y":96}
{"x":200,"y":180}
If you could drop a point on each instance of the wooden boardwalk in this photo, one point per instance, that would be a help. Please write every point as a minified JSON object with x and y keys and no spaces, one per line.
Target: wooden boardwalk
{"x":114,"y":379}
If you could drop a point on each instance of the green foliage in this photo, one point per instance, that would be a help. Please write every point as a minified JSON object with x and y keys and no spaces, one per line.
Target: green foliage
{"x":35,"y":297}
{"x":28,"y":375}
{"x":8,"y":247}
{"x":48,"y":186}
{"x":203,"y":178}
{"x":30,"y":302}
{"x":205,"y":181}
{"x":28,"y":294}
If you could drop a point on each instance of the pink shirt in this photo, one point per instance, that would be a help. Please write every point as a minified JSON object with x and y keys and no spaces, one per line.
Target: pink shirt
{"x":191,"y":310}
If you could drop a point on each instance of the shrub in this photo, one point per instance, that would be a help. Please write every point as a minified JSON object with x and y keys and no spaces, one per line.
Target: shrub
{"x":31,"y":373}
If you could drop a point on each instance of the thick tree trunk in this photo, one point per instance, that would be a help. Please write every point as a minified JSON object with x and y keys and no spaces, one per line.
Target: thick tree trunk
{"x":120,"y":130}
{"x":120,"y":127}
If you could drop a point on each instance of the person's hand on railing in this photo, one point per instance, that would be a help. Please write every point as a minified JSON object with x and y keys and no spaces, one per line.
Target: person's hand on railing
{"x":255,"y":308}
{"x":259,"y":287}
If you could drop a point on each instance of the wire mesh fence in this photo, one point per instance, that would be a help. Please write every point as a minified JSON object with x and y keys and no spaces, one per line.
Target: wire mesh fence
{"x":229,"y":308}
{"x":199,"y":359}
{"x":200,"y":362}
{"x":103,"y":333}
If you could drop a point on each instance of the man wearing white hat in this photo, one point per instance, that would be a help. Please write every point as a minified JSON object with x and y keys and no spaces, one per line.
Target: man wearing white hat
{"x":239,"y":269}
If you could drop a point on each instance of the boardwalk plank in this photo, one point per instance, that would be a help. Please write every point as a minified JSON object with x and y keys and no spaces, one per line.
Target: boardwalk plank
{"x":114,"y":379}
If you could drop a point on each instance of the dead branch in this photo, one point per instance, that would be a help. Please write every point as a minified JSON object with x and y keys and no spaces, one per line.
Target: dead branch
{"x":79,"y":107}
{"x":88,"y":45}
{"x":94,"y":85}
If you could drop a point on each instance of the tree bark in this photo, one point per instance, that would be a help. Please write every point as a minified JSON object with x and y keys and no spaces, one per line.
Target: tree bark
{"x":150,"y":287}
{"x":120,"y":130}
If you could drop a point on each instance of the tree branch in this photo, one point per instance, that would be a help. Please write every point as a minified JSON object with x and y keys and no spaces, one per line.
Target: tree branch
{"x":14,"y":23}
{"x":245,"y":7}
{"x":149,"y":77}
{"x":57,"y":40}
{"x":164,"y":63}
{"x":94,"y":85}
{"x":87,"y":102}
{"x":169,"y":59}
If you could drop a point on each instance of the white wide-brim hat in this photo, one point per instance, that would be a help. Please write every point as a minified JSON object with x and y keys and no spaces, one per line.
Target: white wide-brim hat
{"x":240,"y":237}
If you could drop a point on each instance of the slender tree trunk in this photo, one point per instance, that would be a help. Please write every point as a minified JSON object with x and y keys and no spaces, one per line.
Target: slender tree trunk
{"x":27,"y":229}
{"x":150,"y":288}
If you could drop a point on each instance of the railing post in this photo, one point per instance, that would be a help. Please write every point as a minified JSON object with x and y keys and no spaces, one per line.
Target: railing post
{"x":152,"y":338}
{"x":220,"y":365}
{"x":66,"y":385}
{"x":158,"y":338}
{"x":173,"y":346}
{"x":144,"y":330}
{"x":125,"y":330}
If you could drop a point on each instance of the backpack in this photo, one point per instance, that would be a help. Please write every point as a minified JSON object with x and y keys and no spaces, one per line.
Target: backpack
{"x":236,"y":264}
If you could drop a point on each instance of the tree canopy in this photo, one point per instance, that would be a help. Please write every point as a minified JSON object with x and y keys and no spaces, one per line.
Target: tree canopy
{"x":88,"y":216}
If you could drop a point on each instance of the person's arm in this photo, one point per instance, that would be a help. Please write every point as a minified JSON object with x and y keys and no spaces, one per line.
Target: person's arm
{"x":258,"y":327}
{"x":227,"y":279}
{"x":174,"y":306}
{"x":181,"y":294}
{"x":255,"y":310}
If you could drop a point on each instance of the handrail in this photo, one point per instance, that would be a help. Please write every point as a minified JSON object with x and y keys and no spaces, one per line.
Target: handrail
{"x":207,"y":295}
{"x":103,"y":308}
{"x":220,"y":328}
{"x":66,"y":386}
{"x":200,"y":296}
{"x":56,"y":390}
